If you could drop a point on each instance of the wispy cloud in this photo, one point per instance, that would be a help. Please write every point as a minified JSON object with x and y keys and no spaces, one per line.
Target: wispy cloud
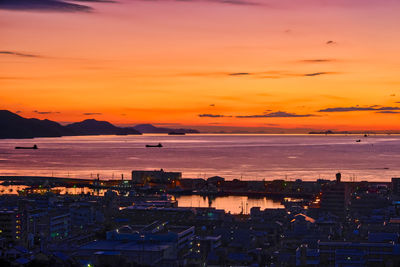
{"x":18,"y":54}
{"x":273,"y":74}
{"x":92,"y":113}
{"x":317,"y":60}
{"x":388,"y":112}
{"x":49,"y":5}
{"x":330,"y":42}
{"x":213,"y":116}
{"x":226,"y":2}
{"x":358,"y":108}
{"x":315,"y":74}
{"x":46,"y":112}
{"x":239,"y":74}
{"x":278,"y":114}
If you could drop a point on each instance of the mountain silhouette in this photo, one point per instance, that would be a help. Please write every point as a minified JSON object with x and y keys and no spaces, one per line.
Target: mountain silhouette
{"x":95,"y":127}
{"x":15,"y":126}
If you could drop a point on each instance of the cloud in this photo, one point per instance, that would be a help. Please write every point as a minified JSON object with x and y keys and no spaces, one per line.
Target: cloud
{"x":49,"y":5}
{"x":239,"y":74}
{"x":226,"y":2}
{"x":330,"y":42}
{"x":324,"y":60}
{"x":92,"y":113}
{"x":278,"y":114}
{"x":212,"y":105}
{"x":273,"y":74}
{"x":315,"y":74}
{"x":18,"y":54}
{"x":358,"y":108}
{"x":213,"y":116}
{"x":388,"y":112}
{"x":234,"y":2}
{"x":46,"y":112}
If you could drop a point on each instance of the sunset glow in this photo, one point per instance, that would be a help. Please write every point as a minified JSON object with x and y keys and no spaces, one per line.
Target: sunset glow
{"x":308,"y":64}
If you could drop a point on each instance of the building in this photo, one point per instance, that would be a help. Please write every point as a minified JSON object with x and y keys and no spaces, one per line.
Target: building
{"x":59,"y":224}
{"x":335,"y":198}
{"x":11,"y":224}
{"x":161,"y":177}
{"x":396,"y":186}
{"x":155,"y":244}
{"x":359,"y":254}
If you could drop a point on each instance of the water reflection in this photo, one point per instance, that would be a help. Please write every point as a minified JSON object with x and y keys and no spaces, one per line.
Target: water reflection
{"x":22,"y":189}
{"x":232,"y":204}
{"x":80,"y":190}
{"x":11,"y":189}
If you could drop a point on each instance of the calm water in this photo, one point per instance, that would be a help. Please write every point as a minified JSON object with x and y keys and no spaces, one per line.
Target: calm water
{"x":232,"y":156}
{"x":232,"y":204}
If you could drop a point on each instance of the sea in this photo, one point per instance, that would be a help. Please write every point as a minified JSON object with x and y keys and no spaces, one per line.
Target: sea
{"x":232,"y":156}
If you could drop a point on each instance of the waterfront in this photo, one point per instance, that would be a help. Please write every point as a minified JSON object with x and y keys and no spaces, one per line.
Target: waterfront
{"x":247,"y":157}
{"x":231,"y":204}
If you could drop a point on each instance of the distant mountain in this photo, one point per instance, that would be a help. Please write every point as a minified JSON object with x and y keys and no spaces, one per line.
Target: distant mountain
{"x":148,"y":128}
{"x":15,"y":126}
{"x":94,"y":127}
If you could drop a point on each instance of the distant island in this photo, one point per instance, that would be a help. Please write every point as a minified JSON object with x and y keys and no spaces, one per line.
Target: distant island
{"x":148,"y":128}
{"x":343,"y":132}
{"x":13,"y":126}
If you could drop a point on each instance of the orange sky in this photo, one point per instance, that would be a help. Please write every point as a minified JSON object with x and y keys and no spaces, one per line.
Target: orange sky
{"x":171,"y":61}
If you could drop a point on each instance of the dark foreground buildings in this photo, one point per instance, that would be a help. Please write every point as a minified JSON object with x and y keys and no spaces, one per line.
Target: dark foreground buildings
{"x":342,"y":224}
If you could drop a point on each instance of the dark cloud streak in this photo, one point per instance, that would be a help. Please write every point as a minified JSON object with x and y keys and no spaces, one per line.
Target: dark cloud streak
{"x":46,"y":112}
{"x":49,"y":5}
{"x":317,"y":60}
{"x":18,"y":54}
{"x":213,"y":116}
{"x":92,"y":113}
{"x":278,"y":114}
{"x":357,"y":108}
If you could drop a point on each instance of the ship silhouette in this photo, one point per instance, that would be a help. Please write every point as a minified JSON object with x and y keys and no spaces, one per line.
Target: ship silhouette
{"x":26,"y":147}
{"x":159,"y":145}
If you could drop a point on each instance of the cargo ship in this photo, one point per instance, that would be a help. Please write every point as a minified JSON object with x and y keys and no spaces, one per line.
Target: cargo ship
{"x":159,"y":145}
{"x":26,"y":147}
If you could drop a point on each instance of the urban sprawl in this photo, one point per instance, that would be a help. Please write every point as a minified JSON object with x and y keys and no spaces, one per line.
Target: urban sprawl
{"x":137,"y":222}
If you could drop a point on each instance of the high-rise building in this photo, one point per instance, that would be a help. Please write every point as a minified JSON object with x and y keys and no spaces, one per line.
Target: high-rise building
{"x":335,"y":197}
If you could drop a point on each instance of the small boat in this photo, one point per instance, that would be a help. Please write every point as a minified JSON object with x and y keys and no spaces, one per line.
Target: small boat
{"x":176,"y":133}
{"x":358,"y":141}
{"x":159,"y":145}
{"x":25,"y":147}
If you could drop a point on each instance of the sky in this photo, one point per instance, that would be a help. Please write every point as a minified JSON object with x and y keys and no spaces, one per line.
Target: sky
{"x":226,"y":64}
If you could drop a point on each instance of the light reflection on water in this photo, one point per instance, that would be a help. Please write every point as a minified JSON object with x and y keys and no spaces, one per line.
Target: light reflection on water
{"x":14,"y":189}
{"x":232,"y":204}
